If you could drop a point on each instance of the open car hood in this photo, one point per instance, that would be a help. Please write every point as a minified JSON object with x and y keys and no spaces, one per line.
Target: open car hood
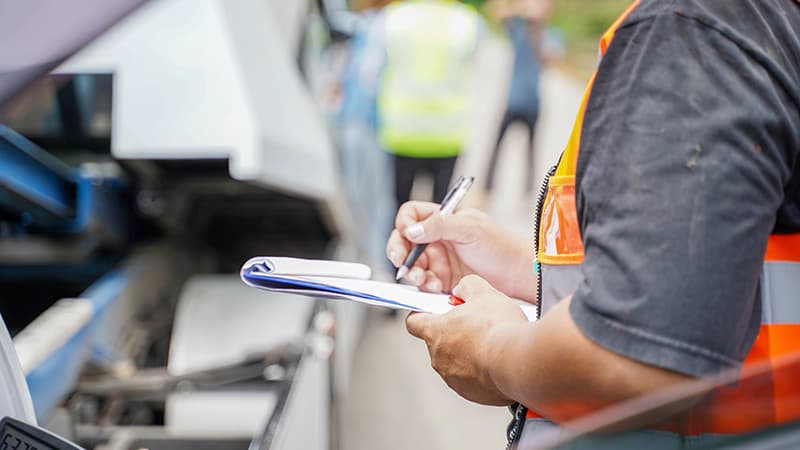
{"x":37,"y":35}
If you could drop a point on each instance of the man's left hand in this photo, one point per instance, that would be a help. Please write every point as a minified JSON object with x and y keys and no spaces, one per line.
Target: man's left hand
{"x":459,"y":342}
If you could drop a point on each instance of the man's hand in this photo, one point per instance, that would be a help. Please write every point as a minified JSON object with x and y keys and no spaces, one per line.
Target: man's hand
{"x":458,"y":341}
{"x":488,"y":352}
{"x":464,"y":243}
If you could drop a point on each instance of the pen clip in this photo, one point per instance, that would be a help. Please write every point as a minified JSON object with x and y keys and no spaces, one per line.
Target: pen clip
{"x":452,"y":191}
{"x":456,"y":194}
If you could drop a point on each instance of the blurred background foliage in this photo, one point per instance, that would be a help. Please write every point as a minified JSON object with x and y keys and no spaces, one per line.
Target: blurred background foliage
{"x":581,"y":23}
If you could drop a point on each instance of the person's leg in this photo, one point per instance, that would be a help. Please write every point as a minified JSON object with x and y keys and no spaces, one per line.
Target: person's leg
{"x":507,"y":119}
{"x":442,"y":174}
{"x":405,"y":170}
{"x":530,"y":122}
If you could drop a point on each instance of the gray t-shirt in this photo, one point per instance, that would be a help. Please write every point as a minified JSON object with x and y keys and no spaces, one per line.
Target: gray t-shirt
{"x":688,"y":161}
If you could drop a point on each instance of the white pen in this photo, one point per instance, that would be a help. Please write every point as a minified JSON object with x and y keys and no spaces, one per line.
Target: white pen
{"x":449,"y":204}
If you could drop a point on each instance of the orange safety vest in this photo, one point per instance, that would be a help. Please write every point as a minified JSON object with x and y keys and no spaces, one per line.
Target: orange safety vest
{"x":728,"y":410}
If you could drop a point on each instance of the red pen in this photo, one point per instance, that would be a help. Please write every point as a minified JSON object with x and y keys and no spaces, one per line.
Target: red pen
{"x":455,"y":301}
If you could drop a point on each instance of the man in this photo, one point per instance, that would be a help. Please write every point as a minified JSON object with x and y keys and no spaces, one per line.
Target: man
{"x":424,"y":92}
{"x":525,"y":22}
{"x":668,"y":242}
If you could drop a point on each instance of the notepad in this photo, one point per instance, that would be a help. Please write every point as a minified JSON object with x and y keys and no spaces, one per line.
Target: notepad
{"x":343,"y":281}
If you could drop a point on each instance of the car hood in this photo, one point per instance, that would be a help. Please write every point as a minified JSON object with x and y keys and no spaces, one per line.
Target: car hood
{"x":37,"y":35}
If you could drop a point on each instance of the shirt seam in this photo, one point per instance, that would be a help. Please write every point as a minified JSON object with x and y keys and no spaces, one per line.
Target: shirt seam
{"x":753,"y":53}
{"x":704,"y":23}
{"x":631,"y":21}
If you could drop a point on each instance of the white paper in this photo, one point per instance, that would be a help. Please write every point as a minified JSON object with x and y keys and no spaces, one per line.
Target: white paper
{"x":390,"y":295}
{"x":279,"y":265}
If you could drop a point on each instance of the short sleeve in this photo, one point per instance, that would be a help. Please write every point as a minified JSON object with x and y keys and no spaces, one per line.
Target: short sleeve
{"x":686,"y":147}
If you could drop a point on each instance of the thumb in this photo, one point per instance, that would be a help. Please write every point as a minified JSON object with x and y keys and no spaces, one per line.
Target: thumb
{"x":419,"y":324}
{"x":441,"y":227}
{"x":473,"y":288}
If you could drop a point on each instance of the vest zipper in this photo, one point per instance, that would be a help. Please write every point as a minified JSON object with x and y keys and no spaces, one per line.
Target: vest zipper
{"x":538,"y":220}
{"x":515,"y":427}
{"x":519,"y":411}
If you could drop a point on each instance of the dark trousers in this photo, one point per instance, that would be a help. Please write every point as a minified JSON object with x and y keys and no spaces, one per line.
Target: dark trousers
{"x":406,"y":169}
{"x":529,"y":120}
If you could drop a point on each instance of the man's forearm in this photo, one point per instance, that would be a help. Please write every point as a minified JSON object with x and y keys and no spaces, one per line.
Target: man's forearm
{"x":519,"y":280}
{"x":552,"y":368}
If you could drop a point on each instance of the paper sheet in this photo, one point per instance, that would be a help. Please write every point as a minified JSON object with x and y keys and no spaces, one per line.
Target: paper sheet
{"x":390,"y":295}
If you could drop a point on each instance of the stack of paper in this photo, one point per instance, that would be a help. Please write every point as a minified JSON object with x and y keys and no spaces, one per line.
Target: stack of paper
{"x":343,"y":281}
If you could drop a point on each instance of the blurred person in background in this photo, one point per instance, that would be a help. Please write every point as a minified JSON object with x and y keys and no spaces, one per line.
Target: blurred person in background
{"x":367,"y":171}
{"x":404,"y":89}
{"x":424,"y":93}
{"x":525,"y":22}
{"x":416,"y":61}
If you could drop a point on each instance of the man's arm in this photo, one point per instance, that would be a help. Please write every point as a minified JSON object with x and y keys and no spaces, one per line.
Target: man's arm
{"x":552,"y":366}
{"x":489,"y":353}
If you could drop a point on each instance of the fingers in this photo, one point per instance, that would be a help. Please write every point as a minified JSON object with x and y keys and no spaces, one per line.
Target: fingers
{"x":432,"y":271}
{"x":417,"y":275}
{"x":473,"y":288}
{"x":413,"y":212}
{"x":434,"y":228}
{"x":397,"y":248}
{"x":419,"y":324}
{"x":432,"y":282}
{"x":440,"y":272}
{"x":418,"y":222}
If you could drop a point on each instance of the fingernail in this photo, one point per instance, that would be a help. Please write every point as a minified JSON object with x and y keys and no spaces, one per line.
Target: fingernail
{"x":415,"y":231}
{"x":415,"y":277}
{"x":434,"y":286}
{"x":393,"y":257}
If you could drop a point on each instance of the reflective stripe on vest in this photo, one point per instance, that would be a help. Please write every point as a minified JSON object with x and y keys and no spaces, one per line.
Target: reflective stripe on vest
{"x":734,"y":409}
{"x":423,"y":101}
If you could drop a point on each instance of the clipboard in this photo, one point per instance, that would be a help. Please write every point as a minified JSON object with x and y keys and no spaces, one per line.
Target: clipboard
{"x":343,"y":281}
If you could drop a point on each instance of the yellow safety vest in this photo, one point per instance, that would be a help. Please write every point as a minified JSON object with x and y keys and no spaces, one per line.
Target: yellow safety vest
{"x":424,"y":90}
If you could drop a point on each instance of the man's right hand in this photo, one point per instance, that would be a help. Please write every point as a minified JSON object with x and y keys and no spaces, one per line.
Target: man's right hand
{"x":463,"y":243}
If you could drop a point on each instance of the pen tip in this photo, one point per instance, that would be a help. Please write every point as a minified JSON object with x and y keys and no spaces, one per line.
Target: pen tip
{"x":401,"y":272}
